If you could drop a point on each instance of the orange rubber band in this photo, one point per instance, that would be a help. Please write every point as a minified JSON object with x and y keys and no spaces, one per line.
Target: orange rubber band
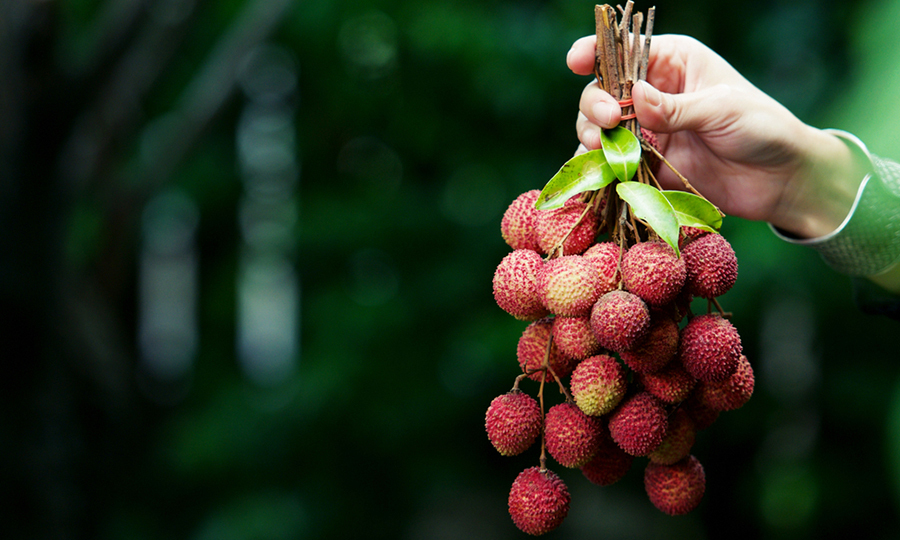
{"x":627,"y":103}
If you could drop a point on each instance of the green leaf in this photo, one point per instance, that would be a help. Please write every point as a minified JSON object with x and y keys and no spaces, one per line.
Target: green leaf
{"x":694,"y":211}
{"x":622,"y":150}
{"x":649,"y":204}
{"x":585,"y":172}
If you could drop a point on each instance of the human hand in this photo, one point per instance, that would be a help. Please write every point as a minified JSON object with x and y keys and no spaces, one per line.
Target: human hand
{"x":740,"y":148}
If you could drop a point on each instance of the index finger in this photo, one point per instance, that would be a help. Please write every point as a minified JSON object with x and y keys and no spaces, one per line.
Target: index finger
{"x":580,"y":57}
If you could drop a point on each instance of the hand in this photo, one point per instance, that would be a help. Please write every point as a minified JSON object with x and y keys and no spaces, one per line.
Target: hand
{"x":740,"y":148}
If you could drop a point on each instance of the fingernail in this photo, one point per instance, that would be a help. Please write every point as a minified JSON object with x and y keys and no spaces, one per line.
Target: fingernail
{"x":651,"y":95}
{"x":603,"y":113}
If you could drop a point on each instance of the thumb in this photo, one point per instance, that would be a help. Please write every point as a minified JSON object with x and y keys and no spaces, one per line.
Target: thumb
{"x":668,"y":113}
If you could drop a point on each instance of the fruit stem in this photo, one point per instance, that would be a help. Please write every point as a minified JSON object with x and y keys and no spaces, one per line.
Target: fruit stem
{"x":678,"y":174}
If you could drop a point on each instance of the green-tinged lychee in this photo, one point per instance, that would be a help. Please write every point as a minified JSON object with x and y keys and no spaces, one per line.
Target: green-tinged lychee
{"x":574,"y":337}
{"x":609,"y":464}
{"x":598,"y":384}
{"x":516,"y":285}
{"x":574,"y":219}
{"x":710,"y":347}
{"x":538,"y":501}
{"x":568,"y":286}
{"x":639,"y":424}
{"x":711,"y":266}
{"x":605,"y":258}
{"x":658,"y":346}
{"x":675,"y":489}
{"x":652,"y":271}
{"x":532,"y":348}
{"x":517,"y":225}
{"x":513,"y":422}
{"x":732,"y":393}
{"x":619,"y":319}
{"x":679,"y":439}
{"x":672,"y":384}
{"x":572,"y":437}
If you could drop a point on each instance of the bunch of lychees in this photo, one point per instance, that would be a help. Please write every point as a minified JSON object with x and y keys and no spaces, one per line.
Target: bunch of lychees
{"x":608,"y":303}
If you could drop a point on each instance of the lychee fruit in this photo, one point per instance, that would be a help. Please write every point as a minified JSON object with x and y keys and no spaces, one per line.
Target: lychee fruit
{"x":672,"y":384}
{"x":517,"y":225}
{"x":679,"y":439}
{"x":598,"y":384}
{"x":702,"y":414}
{"x":605,"y":258}
{"x":574,"y":337}
{"x":710,"y":347}
{"x":711,"y":266}
{"x":571,"y":436}
{"x":516,"y":285}
{"x":733,"y":392}
{"x":639,"y":424}
{"x":538,"y":501}
{"x":532,"y":348}
{"x":619,"y":319}
{"x":552,"y":226}
{"x":675,"y":489}
{"x":658,"y":346}
{"x":652,"y":271}
{"x":689,"y":234}
{"x":568,"y":286}
{"x":513,"y":422}
{"x":608,"y":465}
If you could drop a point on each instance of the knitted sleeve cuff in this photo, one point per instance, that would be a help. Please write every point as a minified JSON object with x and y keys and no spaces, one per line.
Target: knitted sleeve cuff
{"x":868,"y":241}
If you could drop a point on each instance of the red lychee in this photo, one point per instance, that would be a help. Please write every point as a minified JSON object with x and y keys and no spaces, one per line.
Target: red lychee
{"x":538,"y":501}
{"x":551,"y":226}
{"x":517,"y":225}
{"x":710,"y":347}
{"x":571,"y":436}
{"x":513,"y":422}
{"x":711,"y":266}
{"x":679,"y":439}
{"x":568,"y":286}
{"x":532,"y":348}
{"x":702,"y":414}
{"x":598,"y":384}
{"x":733,"y":392}
{"x":639,"y":424}
{"x":658,"y":346}
{"x":605,"y":257}
{"x":574,"y":337}
{"x":672,"y":384}
{"x":675,"y":489}
{"x":516,"y":285}
{"x":608,"y":465}
{"x":652,"y":271}
{"x":619,"y":319}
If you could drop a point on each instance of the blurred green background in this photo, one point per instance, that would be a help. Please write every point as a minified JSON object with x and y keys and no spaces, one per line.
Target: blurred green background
{"x":247,"y":253}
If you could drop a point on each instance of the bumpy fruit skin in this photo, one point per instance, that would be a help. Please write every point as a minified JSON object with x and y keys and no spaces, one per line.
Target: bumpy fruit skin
{"x":598,"y":384}
{"x":702,"y":414}
{"x":608,"y":465}
{"x":652,"y":271}
{"x":574,"y":337}
{"x":516,"y":285}
{"x":658,"y":346}
{"x":568,"y":286}
{"x":639,"y":425}
{"x":532,"y":347}
{"x":679,"y":439}
{"x":619,"y":319}
{"x":571,"y":436}
{"x":672,"y":384}
{"x":517,"y":225}
{"x":711,"y":266}
{"x":675,"y":489}
{"x":605,"y":258}
{"x":710,"y":348}
{"x":731,"y":393}
{"x":513,"y":422}
{"x":550,"y":226}
{"x":538,"y":501}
